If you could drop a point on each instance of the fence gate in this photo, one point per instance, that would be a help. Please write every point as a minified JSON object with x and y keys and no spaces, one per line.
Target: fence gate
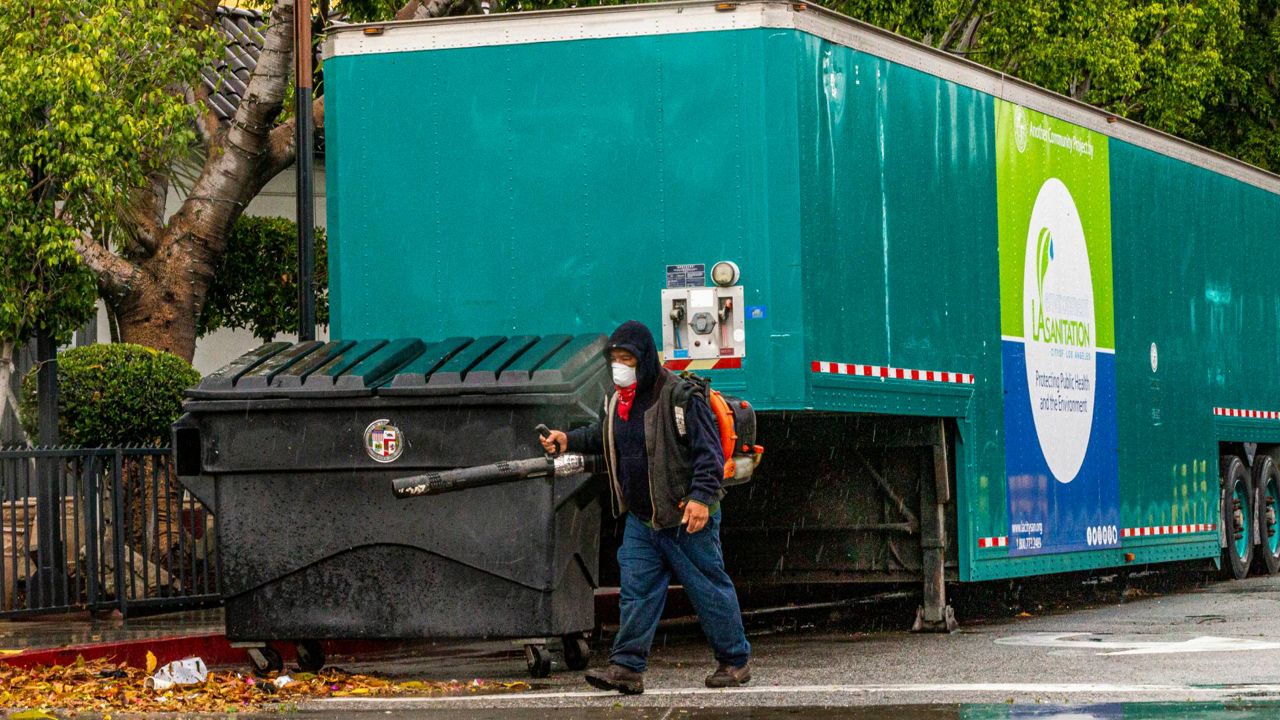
{"x":98,"y":529}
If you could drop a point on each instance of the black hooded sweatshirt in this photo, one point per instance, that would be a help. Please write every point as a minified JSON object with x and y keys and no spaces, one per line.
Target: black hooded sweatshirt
{"x":705,"y":453}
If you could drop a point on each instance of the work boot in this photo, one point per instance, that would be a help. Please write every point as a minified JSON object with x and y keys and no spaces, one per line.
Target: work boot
{"x":616,"y":677}
{"x":729,"y":676}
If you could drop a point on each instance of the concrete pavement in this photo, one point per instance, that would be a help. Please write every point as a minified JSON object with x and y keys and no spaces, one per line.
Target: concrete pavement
{"x":1216,"y":642}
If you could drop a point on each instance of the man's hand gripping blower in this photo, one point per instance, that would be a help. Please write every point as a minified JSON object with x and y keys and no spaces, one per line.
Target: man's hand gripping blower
{"x":436,"y":483}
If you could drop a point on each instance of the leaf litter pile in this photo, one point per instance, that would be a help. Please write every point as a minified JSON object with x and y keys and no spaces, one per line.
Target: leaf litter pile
{"x":104,"y":687}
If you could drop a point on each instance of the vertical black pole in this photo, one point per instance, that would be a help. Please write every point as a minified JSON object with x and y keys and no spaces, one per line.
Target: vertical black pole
{"x":302,"y":56}
{"x":49,"y":558}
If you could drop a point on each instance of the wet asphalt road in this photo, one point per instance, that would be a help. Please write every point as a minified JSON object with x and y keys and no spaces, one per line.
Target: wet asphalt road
{"x":1247,"y":710}
{"x":1033,"y":653}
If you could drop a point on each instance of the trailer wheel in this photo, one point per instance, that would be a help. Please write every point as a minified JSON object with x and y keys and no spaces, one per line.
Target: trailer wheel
{"x":538,"y":660}
{"x":1266,"y":478}
{"x":265,"y":660}
{"x":1237,"y":506}
{"x":577,"y":652}
{"x":310,"y":656}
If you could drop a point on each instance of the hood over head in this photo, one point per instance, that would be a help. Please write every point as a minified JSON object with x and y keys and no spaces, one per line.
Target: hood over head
{"x":636,"y":339}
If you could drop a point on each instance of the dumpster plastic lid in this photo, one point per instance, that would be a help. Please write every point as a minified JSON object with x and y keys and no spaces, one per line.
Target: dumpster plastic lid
{"x":407,"y":367}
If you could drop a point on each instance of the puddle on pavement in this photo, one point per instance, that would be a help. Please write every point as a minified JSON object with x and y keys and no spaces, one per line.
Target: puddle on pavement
{"x":1002,"y":711}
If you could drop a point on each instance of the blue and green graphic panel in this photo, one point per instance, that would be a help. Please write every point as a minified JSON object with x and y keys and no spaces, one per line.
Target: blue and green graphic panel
{"x":1058,"y":334}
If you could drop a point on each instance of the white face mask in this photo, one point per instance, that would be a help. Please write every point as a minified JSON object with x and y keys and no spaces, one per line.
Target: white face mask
{"x":623,"y":375}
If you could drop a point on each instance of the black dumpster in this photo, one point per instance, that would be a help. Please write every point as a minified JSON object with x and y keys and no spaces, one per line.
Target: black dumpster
{"x":296,"y":446}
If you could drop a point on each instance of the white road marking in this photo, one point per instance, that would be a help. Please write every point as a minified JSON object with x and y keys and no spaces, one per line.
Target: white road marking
{"x":960,"y":688}
{"x":1073,"y":641}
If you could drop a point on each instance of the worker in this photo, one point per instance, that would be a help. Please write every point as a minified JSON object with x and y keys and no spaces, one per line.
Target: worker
{"x":672,"y":506}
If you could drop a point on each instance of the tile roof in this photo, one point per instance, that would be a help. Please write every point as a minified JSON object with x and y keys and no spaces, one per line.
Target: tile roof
{"x":228,"y":80}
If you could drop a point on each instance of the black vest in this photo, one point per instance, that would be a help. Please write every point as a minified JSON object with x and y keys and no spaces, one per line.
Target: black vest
{"x":670,"y":469}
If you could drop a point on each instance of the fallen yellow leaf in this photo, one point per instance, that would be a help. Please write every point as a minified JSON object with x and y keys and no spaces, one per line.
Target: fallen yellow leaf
{"x":151,"y":662}
{"x":100,"y":686}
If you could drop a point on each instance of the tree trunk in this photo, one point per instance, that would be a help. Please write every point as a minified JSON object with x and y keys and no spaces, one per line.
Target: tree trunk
{"x":160,"y":312}
{"x":9,"y":403}
{"x":157,"y":290}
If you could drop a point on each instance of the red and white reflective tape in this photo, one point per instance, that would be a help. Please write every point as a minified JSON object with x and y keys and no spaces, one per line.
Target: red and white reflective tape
{"x":720,"y":364}
{"x":891,"y":373}
{"x":1003,"y":541}
{"x":1167,"y":530}
{"x":1255,"y":414}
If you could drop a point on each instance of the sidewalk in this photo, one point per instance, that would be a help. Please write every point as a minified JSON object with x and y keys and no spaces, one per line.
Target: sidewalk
{"x":170,"y":636}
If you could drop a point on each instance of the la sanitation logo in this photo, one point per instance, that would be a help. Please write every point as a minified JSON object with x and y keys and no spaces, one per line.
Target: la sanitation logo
{"x":1057,"y":333}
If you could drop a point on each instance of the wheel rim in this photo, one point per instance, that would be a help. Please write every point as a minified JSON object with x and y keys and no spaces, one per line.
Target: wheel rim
{"x":1270,"y":519}
{"x":1241,"y":526}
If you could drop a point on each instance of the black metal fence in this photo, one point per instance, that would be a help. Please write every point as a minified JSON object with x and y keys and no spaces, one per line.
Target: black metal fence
{"x":100,"y":529}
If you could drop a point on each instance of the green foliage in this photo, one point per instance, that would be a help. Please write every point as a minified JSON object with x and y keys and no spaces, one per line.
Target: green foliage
{"x":113,"y":395}
{"x":87,"y":109}
{"x":255,"y":285}
{"x":1245,"y":122}
{"x":369,"y":10}
{"x":1160,"y":63}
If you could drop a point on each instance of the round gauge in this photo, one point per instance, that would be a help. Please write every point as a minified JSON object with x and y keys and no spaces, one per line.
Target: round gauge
{"x":725,"y":273}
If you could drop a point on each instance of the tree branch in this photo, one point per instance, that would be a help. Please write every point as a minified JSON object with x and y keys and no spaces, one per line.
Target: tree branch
{"x":115,"y":274}
{"x":261,"y":103}
{"x":418,"y":10}
{"x":144,"y":213}
{"x":970,"y":38}
{"x":408,"y":12}
{"x":957,"y":25}
{"x":234,"y":168}
{"x":283,"y":140}
{"x":208,"y":126}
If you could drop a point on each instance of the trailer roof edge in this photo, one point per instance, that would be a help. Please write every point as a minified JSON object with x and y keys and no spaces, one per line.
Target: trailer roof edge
{"x":687,"y":16}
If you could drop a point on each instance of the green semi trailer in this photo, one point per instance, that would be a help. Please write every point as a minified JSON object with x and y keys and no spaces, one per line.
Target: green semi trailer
{"x":992,"y":332}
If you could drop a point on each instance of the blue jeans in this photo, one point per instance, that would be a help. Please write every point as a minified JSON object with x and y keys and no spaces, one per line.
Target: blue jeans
{"x":647,"y":559}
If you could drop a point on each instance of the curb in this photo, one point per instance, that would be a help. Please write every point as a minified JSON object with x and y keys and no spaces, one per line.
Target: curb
{"x":213,"y":648}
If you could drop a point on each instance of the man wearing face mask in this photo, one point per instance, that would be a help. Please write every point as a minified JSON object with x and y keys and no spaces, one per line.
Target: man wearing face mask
{"x":672,"y":505}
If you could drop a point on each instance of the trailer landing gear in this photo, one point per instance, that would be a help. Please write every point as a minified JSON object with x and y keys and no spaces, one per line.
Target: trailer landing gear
{"x":935,"y":615}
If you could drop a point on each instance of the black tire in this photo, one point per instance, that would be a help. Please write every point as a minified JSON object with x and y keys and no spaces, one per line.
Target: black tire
{"x":577,"y":652}
{"x":1266,"y":483}
{"x":265,"y":660}
{"x":310,"y":656}
{"x":1236,"y":507}
{"x":538,"y":661}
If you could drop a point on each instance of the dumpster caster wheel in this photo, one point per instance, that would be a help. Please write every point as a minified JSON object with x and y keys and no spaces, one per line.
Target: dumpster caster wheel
{"x":577,"y":652}
{"x":538,"y":660}
{"x":266,"y":660}
{"x":310,"y":656}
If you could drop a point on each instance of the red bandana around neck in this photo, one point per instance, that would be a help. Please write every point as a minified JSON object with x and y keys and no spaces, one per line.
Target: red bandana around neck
{"x":626,"y":396}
